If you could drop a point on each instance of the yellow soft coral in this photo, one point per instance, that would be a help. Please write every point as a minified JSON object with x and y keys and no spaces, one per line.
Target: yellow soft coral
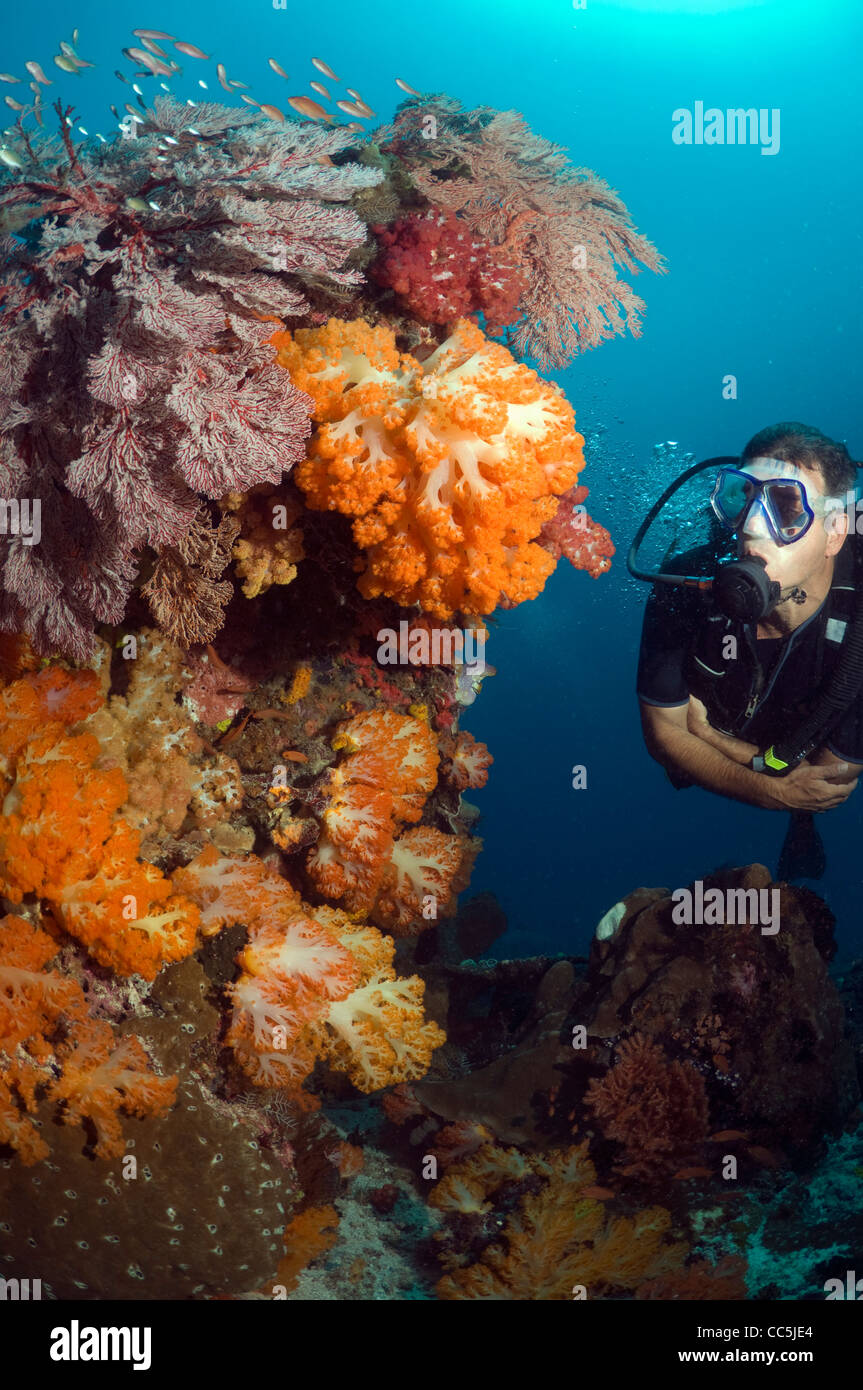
{"x":151,"y":737}
{"x":269,"y":545}
{"x":449,"y":467}
{"x":377,"y":1033}
{"x":559,"y":1240}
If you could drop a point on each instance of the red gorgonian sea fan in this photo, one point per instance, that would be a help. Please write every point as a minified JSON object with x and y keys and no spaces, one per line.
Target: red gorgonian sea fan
{"x":517,"y":192}
{"x":135,"y":377}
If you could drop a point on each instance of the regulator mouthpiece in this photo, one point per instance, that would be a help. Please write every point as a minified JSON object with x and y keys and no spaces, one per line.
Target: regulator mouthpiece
{"x":743,"y":591}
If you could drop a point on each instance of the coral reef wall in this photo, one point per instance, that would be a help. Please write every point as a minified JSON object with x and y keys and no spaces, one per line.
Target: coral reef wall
{"x":274,"y":389}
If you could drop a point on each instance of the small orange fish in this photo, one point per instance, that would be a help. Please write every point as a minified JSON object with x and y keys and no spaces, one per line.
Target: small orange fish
{"x":250,"y":100}
{"x":355,"y":94}
{"x":727,"y":1136}
{"x":153,"y":48}
{"x":7,"y":77}
{"x":38,"y":73}
{"x":191,"y":50}
{"x":156,"y":65}
{"x":16,"y":105}
{"x":153,"y":34}
{"x":223,"y":77}
{"x":292,"y":755}
{"x":277,"y":67}
{"x":597,"y":1194}
{"x":320,"y":89}
{"x":350,"y":107}
{"x":686,"y":1173}
{"x":763,"y":1156}
{"x":325,"y":69}
{"x":234,"y":83}
{"x":272,"y":112}
{"x":405,"y":88}
{"x":354,"y":125}
{"x":307,"y":107}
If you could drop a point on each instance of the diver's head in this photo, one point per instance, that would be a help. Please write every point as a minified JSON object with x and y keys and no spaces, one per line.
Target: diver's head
{"x":786,"y":503}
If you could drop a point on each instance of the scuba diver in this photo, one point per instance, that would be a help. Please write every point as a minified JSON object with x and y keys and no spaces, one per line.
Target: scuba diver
{"x":750,"y":681}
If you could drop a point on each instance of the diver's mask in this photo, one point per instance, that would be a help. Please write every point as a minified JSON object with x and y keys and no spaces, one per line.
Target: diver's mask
{"x":764,"y":498}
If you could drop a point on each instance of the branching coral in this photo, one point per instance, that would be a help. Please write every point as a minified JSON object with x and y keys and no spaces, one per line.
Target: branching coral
{"x":656,"y":1109}
{"x":51,"y":1049}
{"x":187,"y":597}
{"x":313,"y":984}
{"x":440,"y":273}
{"x":558,"y":1240}
{"x":449,"y":467}
{"x":134,"y":372}
{"x":518,"y":193}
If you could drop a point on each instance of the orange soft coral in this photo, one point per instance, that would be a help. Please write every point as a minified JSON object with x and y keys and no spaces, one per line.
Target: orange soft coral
{"x":62,"y":839}
{"x":309,"y":1234}
{"x":420,"y":878}
{"x":103,"y":1075}
{"x":127,"y":913}
{"x":50,"y":1049}
{"x":384,"y":781}
{"x":314,"y":984}
{"x":378,"y":1033}
{"x":467,"y":762}
{"x":449,"y":467}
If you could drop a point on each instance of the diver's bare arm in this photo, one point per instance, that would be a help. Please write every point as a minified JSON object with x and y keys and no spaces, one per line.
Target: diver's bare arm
{"x":808,"y":787}
{"x":735,"y":748}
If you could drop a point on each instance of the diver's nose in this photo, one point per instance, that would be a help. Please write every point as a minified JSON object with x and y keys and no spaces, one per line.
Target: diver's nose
{"x":755,"y":522}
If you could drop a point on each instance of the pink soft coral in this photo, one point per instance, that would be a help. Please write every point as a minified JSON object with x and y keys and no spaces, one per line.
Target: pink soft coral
{"x":439,"y":272}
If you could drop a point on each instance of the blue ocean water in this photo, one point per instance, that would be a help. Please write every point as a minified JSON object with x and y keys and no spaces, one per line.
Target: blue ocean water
{"x":763,"y":283}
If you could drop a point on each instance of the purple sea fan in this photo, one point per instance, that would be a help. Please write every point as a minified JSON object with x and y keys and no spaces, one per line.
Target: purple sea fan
{"x":135,"y":375}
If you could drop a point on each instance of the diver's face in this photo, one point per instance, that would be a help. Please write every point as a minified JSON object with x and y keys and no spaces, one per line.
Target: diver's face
{"x":791,"y":566}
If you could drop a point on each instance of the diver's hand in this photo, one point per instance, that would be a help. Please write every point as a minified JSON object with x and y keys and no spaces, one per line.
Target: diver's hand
{"x":814,"y":787}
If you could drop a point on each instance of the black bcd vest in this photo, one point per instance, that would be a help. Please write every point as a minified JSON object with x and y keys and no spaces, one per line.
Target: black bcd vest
{"x":724,"y":672}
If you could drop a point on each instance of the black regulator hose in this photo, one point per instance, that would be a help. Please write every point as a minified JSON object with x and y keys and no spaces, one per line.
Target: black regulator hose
{"x":690,"y":581}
